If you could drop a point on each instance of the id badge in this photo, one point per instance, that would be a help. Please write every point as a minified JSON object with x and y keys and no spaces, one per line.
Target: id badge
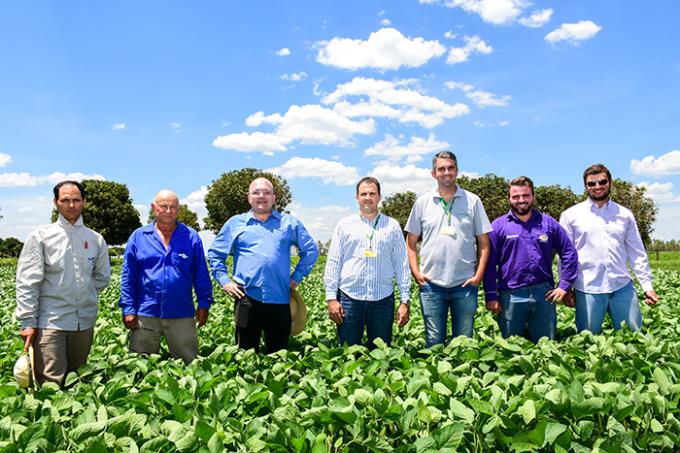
{"x":370,"y":253}
{"x":448,"y":231}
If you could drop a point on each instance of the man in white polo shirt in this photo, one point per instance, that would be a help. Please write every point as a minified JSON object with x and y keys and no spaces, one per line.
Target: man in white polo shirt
{"x":455,"y":249}
{"x":607,"y":239}
{"x":367,"y":252}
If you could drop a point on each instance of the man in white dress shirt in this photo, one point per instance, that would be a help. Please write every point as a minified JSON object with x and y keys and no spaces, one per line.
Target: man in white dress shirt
{"x":607,"y":239}
{"x":61,"y":269}
{"x":367,"y":252}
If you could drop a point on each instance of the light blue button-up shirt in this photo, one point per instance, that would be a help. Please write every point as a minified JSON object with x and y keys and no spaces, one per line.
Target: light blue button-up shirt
{"x":261,"y":252}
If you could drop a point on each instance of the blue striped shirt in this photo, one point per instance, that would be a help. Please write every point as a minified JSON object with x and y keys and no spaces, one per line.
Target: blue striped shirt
{"x":364,"y":277}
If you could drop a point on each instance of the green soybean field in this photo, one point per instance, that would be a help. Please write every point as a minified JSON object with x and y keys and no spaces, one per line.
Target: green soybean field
{"x":615,"y":392}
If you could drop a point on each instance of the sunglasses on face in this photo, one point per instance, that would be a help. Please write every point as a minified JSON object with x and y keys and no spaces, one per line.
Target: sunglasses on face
{"x":601,"y":182}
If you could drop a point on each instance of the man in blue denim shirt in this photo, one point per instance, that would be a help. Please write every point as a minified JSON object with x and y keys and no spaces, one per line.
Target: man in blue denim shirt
{"x":453,"y":254}
{"x":519,"y":282}
{"x":162,"y":262}
{"x":260,"y":241}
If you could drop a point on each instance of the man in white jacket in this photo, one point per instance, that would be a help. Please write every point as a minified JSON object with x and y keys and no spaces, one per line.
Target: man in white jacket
{"x":61,"y":269}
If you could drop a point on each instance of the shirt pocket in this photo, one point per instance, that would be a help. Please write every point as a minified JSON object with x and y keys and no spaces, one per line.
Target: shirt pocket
{"x":615,"y":229}
{"x":181,"y":259}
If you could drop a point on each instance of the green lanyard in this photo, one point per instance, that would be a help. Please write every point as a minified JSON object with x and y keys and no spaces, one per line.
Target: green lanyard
{"x":447,"y":207}
{"x":371,"y":233}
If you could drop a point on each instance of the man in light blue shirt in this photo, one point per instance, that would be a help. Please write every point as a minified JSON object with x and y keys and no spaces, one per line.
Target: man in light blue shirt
{"x":162,"y":262}
{"x":366,"y":253}
{"x":260,"y":242}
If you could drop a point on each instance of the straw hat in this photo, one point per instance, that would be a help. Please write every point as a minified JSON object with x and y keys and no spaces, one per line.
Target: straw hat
{"x":23,"y":370}
{"x":298,"y":313}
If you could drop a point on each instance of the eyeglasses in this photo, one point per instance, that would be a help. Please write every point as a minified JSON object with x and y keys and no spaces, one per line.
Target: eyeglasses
{"x":601,"y":182}
{"x":264,"y":193}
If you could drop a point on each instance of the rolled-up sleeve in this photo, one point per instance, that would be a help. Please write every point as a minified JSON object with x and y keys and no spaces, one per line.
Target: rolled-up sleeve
{"x":30,"y":273}
{"x":218,"y":253}
{"x":201,"y":277}
{"x":129,"y":277}
{"x":308,"y":253}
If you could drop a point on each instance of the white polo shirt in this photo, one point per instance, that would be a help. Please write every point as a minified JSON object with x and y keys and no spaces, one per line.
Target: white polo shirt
{"x":448,"y":259}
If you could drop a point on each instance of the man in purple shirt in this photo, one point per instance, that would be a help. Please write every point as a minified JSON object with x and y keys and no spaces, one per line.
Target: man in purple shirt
{"x":518,"y":282}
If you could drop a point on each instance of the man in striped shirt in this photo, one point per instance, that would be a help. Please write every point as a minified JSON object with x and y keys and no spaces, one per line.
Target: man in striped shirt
{"x":367,"y":252}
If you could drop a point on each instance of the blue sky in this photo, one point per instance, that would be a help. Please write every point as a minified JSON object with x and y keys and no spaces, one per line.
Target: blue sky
{"x":172,"y":94}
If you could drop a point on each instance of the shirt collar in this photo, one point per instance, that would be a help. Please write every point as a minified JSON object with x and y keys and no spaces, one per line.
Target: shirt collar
{"x":594,"y":206}
{"x":437,"y":197}
{"x":63,"y":222}
{"x":251,"y":215}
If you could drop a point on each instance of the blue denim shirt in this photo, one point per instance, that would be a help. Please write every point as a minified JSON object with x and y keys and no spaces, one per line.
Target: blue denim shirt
{"x":158,"y":282}
{"x":261,"y":253}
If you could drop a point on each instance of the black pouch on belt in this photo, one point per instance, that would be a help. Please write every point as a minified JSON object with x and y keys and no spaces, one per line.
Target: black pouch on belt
{"x":242,"y":313}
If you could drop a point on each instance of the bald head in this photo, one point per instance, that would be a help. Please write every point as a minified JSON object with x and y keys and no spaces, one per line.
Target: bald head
{"x":165,"y":207}
{"x":261,"y":197}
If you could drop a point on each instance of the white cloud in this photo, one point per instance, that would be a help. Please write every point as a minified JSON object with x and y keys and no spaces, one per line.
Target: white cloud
{"x":668,"y":164}
{"x":25,"y":209}
{"x":320,"y":221}
{"x":283,"y":52}
{"x":5,"y":159}
{"x":25,"y":179}
{"x":385,"y":49}
{"x":537,"y":18}
{"x":574,"y":32}
{"x":385,"y":22}
{"x":497,"y":12}
{"x":394,"y":100}
{"x":473,"y":44}
{"x":307,"y":124}
{"x":479,"y":97}
{"x":478,"y":123}
{"x":504,"y":123}
{"x":294,"y":77}
{"x":450,"y":35}
{"x":394,"y":178}
{"x":329,"y":171}
{"x":660,"y":192}
{"x":176,"y":126}
{"x":414,"y":151}
{"x":196,"y":202}
{"x":119,"y":126}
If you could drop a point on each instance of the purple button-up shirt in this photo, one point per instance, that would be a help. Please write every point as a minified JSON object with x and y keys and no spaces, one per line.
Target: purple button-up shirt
{"x":522,"y":254}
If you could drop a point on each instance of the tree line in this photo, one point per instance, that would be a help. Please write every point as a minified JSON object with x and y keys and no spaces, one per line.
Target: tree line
{"x":110,"y":211}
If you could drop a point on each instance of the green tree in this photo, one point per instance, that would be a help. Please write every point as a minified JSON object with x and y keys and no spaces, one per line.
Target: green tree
{"x":228,"y":195}
{"x":554,"y":199}
{"x":109,"y":210}
{"x":185,"y":215}
{"x":10,"y":247}
{"x":491,"y":189}
{"x":398,"y":205}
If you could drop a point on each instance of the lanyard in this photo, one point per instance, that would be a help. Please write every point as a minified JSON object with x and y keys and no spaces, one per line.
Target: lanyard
{"x":371,"y":233}
{"x":447,"y":207}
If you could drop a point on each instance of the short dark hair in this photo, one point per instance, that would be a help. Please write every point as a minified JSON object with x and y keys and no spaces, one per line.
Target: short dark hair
{"x":368,"y":180}
{"x":444,"y":155}
{"x":596,"y":169}
{"x":524,"y":181}
{"x":80,"y":187}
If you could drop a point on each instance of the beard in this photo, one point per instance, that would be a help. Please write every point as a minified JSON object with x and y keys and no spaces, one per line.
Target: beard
{"x":521,"y":210}
{"x":603,"y":197}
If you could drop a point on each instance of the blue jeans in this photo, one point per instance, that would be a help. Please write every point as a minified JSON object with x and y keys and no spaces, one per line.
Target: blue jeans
{"x":437,"y":301}
{"x":376,"y":316}
{"x":526,"y":308}
{"x":622,"y":306}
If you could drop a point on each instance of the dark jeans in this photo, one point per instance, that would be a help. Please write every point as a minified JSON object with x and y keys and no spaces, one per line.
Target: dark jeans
{"x":376,"y":316}
{"x":272,"y":319}
{"x":526,"y":308}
